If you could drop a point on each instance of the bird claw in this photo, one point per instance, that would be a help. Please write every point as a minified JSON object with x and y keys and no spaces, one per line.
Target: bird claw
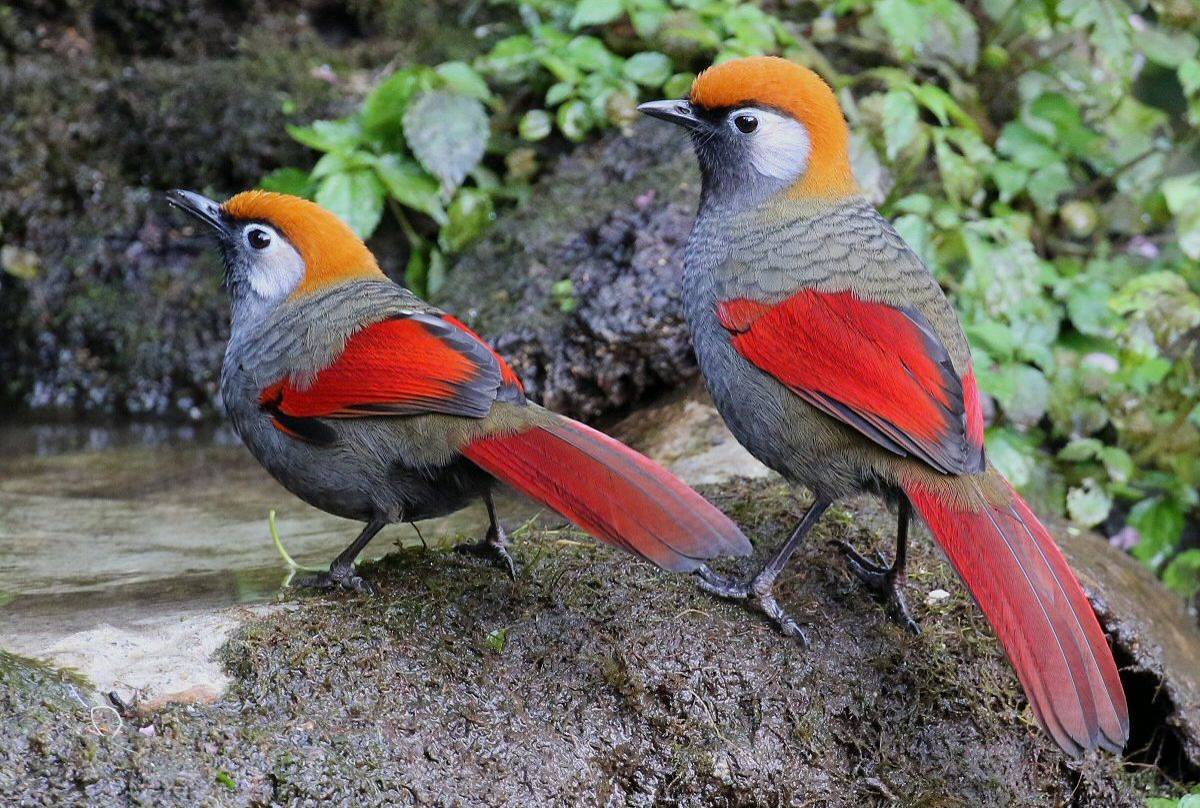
{"x":493,"y":552}
{"x":753,"y":591}
{"x":884,"y":581}
{"x":338,"y":578}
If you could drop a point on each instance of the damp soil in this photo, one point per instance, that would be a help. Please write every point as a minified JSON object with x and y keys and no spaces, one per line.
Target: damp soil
{"x":591,"y":679}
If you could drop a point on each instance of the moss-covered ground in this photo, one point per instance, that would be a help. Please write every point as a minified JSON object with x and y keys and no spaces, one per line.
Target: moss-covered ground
{"x":591,"y":679}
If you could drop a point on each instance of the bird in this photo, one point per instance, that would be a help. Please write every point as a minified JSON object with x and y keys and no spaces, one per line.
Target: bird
{"x":371,"y":404}
{"x":836,"y":359}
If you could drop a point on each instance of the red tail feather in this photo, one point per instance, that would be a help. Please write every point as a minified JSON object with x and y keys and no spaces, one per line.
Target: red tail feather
{"x":1022,"y":583}
{"x":615,"y":494}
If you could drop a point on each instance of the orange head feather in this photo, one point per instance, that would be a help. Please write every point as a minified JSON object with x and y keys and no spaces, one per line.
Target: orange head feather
{"x":331,"y":251}
{"x":769,"y":81}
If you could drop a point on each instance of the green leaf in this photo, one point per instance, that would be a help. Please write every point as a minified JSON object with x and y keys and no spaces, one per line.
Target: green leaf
{"x":1159,"y":523}
{"x":416,"y":271}
{"x":469,"y":215}
{"x":447,"y":133}
{"x":1089,"y":504}
{"x":1183,"y":200}
{"x":535,"y":125}
{"x":679,"y":85}
{"x":329,"y":136}
{"x":1182,"y":574}
{"x":1167,"y":48}
{"x":294,"y":181}
{"x":751,"y":27}
{"x":1080,"y":449}
{"x":595,"y":12}
{"x":1011,"y":456}
{"x":340,"y":162}
{"x":437,"y":272}
{"x":383,"y":110}
{"x":411,"y":186}
{"x":1047,"y":184}
{"x":512,"y":59}
{"x":1025,"y":146}
{"x":464,"y":80}
{"x":1022,"y":392}
{"x":647,"y":68}
{"x":496,"y":639}
{"x":574,"y":120}
{"x":590,"y":53}
{"x":900,"y":122}
{"x":1118,"y":463}
{"x":356,"y":198}
{"x":1065,"y":119}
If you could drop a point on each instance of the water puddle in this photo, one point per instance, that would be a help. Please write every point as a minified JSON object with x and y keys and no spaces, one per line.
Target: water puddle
{"x":110,"y":528}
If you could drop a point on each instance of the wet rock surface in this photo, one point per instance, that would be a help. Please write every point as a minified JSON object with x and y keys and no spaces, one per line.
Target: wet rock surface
{"x":592,"y":679}
{"x":580,"y":288}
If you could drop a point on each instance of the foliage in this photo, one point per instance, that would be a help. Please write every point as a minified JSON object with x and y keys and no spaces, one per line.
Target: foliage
{"x":1041,"y":155}
{"x":1187,"y":801}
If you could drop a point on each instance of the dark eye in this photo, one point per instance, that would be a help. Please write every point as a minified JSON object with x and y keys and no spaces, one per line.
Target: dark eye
{"x":258,"y":238}
{"x":745,"y":123}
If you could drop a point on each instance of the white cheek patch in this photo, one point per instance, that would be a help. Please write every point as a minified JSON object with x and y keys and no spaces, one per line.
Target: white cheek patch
{"x":779,"y":147}
{"x":276,"y":271}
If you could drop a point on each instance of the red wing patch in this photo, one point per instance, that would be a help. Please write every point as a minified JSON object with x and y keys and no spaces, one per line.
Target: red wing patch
{"x":407,"y":365}
{"x":877,"y":368}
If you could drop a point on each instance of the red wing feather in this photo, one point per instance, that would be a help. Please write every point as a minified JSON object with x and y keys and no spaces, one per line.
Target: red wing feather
{"x":406,"y":365}
{"x":877,"y":368}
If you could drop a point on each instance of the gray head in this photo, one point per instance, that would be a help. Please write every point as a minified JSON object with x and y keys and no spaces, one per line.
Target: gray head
{"x":277,"y":247}
{"x":760,"y":127}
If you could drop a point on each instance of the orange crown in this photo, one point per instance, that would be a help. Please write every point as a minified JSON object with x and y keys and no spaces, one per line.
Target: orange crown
{"x":331,"y":251}
{"x":770,"y":81}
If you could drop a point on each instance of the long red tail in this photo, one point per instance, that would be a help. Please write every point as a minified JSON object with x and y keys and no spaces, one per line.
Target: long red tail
{"x":1033,"y":601}
{"x":614,"y":493}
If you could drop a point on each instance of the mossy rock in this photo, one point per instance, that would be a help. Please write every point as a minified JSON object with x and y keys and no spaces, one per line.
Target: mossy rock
{"x":593,"y":679}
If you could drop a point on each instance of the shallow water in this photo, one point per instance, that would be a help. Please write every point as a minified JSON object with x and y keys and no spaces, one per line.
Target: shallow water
{"x":111,"y":526}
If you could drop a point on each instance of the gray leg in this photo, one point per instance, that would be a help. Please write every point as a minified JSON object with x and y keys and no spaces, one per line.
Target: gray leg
{"x":494,"y":546}
{"x":759,"y":588}
{"x":887,"y":582}
{"x":341,"y":571}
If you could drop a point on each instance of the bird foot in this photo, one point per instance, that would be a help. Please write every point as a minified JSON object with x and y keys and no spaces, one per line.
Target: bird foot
{"x":494,"y":550}
{"x":758,"y":592}
{"x":338,"y":577}
{"x":885,"y":582}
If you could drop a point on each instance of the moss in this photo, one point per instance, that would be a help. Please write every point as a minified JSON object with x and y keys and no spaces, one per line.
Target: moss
{"x":617,"y":683}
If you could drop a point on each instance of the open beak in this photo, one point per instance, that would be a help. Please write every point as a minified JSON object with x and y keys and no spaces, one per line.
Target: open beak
{"x":675,"y":111}
{"x":201,"y":207}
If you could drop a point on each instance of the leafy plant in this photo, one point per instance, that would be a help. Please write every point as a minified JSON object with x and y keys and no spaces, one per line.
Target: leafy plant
{"x":415,"y":146}
{"x":1041,"y":155}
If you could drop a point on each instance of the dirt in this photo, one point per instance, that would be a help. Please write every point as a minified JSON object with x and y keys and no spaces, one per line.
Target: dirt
{"x":593,"y":679}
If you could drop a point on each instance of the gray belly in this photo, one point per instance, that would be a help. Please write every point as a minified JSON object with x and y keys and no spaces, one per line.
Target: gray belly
{"x":773,"y":423}
{"x":366,"y":473}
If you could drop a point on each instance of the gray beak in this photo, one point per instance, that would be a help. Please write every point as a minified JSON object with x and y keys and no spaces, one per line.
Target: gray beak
{"x":201,"y":207}
{"x":673,"y":111}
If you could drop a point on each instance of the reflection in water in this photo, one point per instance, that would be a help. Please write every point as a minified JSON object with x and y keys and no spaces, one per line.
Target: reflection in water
{"x":102,"y":525}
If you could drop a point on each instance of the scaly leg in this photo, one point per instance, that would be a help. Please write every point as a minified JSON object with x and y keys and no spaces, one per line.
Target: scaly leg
{"x":494,"y":546}
{"x":341,"y":571}
{"x":887,"y":582}
{"x":760,"y":586}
